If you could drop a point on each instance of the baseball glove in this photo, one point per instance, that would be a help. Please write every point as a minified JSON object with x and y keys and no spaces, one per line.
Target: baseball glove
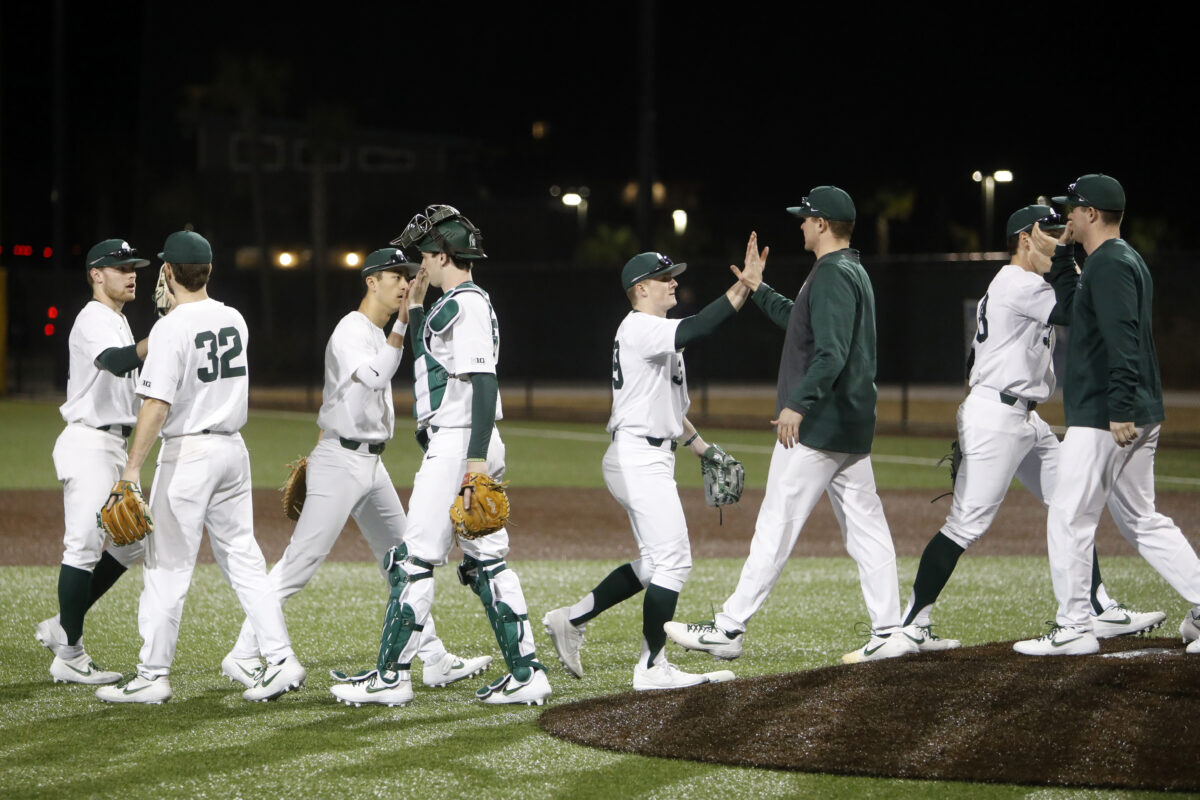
{"x":127,"y":520}
{"x":955,"y":458}
{"x":164,"y":301}
{"x":724,"y":476}
{"x":295,"y":489}
{"x":489,"y":507}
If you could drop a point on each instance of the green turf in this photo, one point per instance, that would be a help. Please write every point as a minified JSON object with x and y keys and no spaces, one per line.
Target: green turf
{"x":60,"y":741}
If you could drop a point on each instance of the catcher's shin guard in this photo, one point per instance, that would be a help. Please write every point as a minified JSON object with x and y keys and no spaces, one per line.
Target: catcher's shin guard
{"x":511,"y":627}
{"x":397,"y":645}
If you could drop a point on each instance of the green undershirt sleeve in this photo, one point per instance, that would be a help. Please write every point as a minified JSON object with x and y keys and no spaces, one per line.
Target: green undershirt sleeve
{"x":1064,"y":279}
{"x":120,"y":361}
{"x":697,"y":326}
{"x":484,"y":391}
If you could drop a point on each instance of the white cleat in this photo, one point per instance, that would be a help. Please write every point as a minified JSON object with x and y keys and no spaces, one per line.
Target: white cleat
{"x":664,"y":675}
{"x":452,"y":669}
{"x":925,"y":639}
{"x":371,"y":687}
{"x":567,"y":638}
{"x":152,"y":691}
{"x":1194,"y":647}
{"x":1120,"y":621}
{"x":880,"y":647}
{"x":506,"y":690}
{"x":241,"y":670}
{"x":707,"y":637}
{"x":276,"y":680}
{"x":50,"y":635}
{"x":80,"y":669}
{"x":1189,"y":628}
{"x":1070,"y":640}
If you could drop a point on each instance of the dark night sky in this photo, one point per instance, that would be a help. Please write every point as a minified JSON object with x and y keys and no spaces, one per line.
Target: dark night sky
{"x":754,"y":105}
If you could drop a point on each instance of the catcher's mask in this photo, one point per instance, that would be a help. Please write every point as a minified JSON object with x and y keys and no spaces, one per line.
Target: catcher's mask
{"x":443,"y":229}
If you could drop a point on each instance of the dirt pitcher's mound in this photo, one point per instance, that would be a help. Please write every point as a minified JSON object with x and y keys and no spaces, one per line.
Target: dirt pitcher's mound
{"x":1128,"y":718}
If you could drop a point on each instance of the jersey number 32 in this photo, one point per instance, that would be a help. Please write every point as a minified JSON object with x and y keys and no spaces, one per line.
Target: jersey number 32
{"x":227,"y":340}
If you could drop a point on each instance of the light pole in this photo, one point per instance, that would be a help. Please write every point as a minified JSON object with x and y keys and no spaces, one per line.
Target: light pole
{"x":988,"y":185}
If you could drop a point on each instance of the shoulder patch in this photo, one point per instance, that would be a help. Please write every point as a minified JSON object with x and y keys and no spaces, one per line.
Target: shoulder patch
{"x":445,"y":316}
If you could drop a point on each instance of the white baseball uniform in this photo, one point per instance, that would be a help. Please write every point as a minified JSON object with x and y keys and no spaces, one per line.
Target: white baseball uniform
{"x":89,"y":454}
{"x":650,"y":401}
{"x":197,"y":364}
{"x":344,"y":477}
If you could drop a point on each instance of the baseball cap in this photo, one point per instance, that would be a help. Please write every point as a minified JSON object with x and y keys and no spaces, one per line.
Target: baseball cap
{"x":113,"y":253}
{"x":1095,"y":190}
{"x":648,"y":265}
{"x":186,"y":247}
{"x":829,"y":202}
{"x":389,"y":258}
{"x":1023,"y":218}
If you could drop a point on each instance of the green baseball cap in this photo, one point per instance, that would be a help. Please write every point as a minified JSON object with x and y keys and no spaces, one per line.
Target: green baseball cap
{"x":389,"y":258}
{"x":1022,"y":220}
{"x":186,"y":247}
{"x":1094,"y":190}
{"x":829,"y":202}
{"x":644,"y":266}
{"x":113,"y":253}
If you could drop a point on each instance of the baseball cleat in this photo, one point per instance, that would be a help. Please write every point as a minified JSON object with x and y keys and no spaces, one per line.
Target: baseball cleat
{"x":1120,"y":621}
{"x":925,"y":639}
{"x":506,"y":690}
{"x":241,"y":670}
{"x":1194,"y":647}
{"x":80,"y":669}
{"x":276,"y":680}
{"x":153,"y":691}
{"x":719,"y":676}
{"x":1189,"y":628}
{"x":707,"y":637}
{"x":451,"y":669}
{"x":1070,"y":640}
{"x":372,"y":687}
{"x":663,"y":675}
{"x":50,"y":635}
{"x":567,"y":638}
{"x":881,"y":646}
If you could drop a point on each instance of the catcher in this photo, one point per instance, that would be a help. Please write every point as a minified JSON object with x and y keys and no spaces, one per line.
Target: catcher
{"x":649,"y":415}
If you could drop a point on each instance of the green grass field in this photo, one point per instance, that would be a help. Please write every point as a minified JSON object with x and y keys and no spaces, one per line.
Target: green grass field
{"x":207,"y":742}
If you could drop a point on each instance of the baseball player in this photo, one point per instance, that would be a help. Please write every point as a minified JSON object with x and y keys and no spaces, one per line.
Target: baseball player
{"x":194,"y":386}
{"x":999,"y":432}
{"x":1112,"y":397}
{"x":346,"y":476}
{"x":456,"y":347}
{"x":90,"y":453}
{"x":649,"y":413}
{"x":825,"y":427}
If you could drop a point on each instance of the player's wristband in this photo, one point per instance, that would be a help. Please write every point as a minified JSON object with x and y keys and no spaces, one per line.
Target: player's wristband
{"x":691,"y":439}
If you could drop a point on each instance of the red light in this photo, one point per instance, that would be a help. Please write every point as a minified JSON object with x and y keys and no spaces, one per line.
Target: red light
{"x":22,"y":250}
{"x":1,"y":249}
{"x":47,"y":252}
{"x":49,"y":329}
{"x":52,"y":312}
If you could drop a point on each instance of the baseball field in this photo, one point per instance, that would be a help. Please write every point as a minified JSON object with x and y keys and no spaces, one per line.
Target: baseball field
{"x":58,"y":740}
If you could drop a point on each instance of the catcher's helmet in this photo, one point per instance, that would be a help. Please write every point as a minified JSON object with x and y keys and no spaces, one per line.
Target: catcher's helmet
{"x":443,"y":229}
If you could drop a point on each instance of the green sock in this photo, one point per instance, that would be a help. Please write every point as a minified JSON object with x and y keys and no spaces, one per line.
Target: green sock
{"x":104,"y":576}
{"x":1096,"y":581}
{"x":658,"y":609}
{"x":937,"y":564}
{"x":74,"y":591}
{"x":619,"y":585}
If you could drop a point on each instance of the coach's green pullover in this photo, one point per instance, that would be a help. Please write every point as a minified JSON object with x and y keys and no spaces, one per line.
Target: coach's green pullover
{"x":1112,"y":369}
{"x":827,"y":369}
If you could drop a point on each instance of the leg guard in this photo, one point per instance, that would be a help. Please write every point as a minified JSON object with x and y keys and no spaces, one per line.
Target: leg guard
{"x":397,"y":644}
{"x":511,"y":627}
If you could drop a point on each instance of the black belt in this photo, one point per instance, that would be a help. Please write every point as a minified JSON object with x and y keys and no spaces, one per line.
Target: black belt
{"x":654,"y":441}
{"x":373,"y":449}
{"x":1012,"y":400}
{"x":124,"y":429}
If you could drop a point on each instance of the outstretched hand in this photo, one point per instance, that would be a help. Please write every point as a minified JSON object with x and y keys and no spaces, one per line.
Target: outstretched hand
{"x":751,"y":274}
{"x":417,"y":288}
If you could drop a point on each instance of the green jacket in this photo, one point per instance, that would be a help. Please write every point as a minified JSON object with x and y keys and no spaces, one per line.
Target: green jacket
{"x":1112,"y":368}
{"x":827,"y":368}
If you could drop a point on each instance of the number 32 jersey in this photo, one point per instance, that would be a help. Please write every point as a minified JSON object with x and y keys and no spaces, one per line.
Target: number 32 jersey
{"x":197,"y":363}
{"x":1014,"y":339}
